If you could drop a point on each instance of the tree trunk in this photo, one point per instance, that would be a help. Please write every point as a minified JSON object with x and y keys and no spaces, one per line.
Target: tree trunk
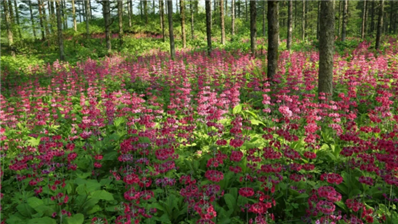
{"x":380,"y":24}
{"x":246,"y":7}
{"x":182,"y":13}
{"x":303,"y":22}
{"x":45,"y":19}
{"x":161,"y":8}
{"x":17,"y":17}
{"x":74,"y":16}
{"x":222,"y":22}
{"x":391,"y":17}
{"x":106,"y":12}
{"x":31,"y":18}
{"x":87,"y":14}
{"x":129,"y":10}
{"x":120,"y":15}
{"x":345,"y":17}
{"x":264,"y":3}
{"x":273,"y":33}
{"x":41,"y":20}
{"x":208,"y":25}
{"x":59,"y":27}
{"x":289,"y":25}
{"x":146,"y":12}
{"x":253,"y":28}
{"x":89,"y":9}
{"x":10,"y":36}
{"x":170,"y":15}
{"x":192,"y":20}
{"x":363,"y":28}
{"x":326,"y":49}
{"x":372,"y":17}
{"x":318,"y":24}
{"x":232,"y":19}
{"x":239,"y":8}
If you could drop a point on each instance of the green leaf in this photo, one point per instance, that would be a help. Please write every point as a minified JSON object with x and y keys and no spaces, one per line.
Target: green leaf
{"x":103,"y":195}
{"x":75,"y":219}
{"x":44,"y":220}
{"x":34,"y":202}
{"x":34,"y":141}
{"x":230,"y":201}
{"x":95,"y":209}
{"x":302,"y":196}
{"x":237,"y":109}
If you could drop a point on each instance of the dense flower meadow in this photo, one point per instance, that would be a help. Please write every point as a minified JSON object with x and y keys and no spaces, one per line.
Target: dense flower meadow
{"x":202,"y":140}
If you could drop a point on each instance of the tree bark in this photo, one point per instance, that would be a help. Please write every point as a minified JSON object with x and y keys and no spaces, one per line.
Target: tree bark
{"x":182,"y":13}
{"x":246,"y":7}
{"x":232,"y":19}
{"x":253,"y":28}
{"x":239,"y":4}
{"x":380,"y":24}
{"x":303,"y":22}
{"x":372,"y":16}
{"x":120,"y":15}
{"x":363,"y":28}
{"x":32,"y":20}
{"x":345,"y":18}
{"x":318,"y":24}
{"x":326,"y":49}
{"x":146,"y":12}
{"x":106,"y":12}
{"x":10,"y":35}
{"x":161,"y":5}
{"x":192,"y":20}
{"x":289,"y":25}
{"x":264,"y":15}
{"x":391,"y":16}
{"x":17,"y":17}
{"x":74,"y":16}
{"x":129,"y":9}
{"x":222,"y":22}
{"x":208,"y":25}
{"x":59,"y":27}
{"x":170,"y":15}
{"x":273,"y":33}
{"x":41,"y":20}
{"x":87,"y":14}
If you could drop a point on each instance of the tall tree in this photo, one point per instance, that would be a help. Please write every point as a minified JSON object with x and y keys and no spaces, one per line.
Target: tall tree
{"x":326,"y":51}
{"x":391,"y":16}
{"x":289,"y":24}
{"x":107,"y":20}
{"x":303,"y":22}
{"x":41,"y":19}
{"x":74,"y":16}
{"x":32,"y":20}
{"x":161,"y":12}
{"x":182,"y":13}
{"x":264,"y":15}
{"x":239,"y":5}
{"x":253,"y":27}
{"x":146,"y":11}
{"x":372,"y":16}
{"x":17,"y":17}
{"x":130,"y":10}
{"x":318,"y":24}
{"x":170,"y":16}
{"x":222,"y":22}
{"x":273,"y":34}
{"x":345,"y":18}
{"x":363,"y":28}
{"x":59,"y":27}
{"x":120,"y":15}
{"x":87,"y":14}
{"x":191,"y":4}
{"x":380,"y":24}
{"x":10,"y":36}
{"x":232,"y":19}
{"x":208,"y":25}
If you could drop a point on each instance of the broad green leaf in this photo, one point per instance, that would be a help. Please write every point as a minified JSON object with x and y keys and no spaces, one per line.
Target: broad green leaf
{"x":75,"y":219}
{"x":230,"y":201}
{"x":237,"y":109}
{"x":34,"y":202}
{"x":103,"y":195}
{"x":44,"y":220}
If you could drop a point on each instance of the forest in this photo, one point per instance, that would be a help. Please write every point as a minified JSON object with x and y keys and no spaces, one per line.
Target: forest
{"x":198,"y":111}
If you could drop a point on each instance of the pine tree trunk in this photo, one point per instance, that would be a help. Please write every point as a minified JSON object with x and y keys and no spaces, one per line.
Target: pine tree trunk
{"x":273,"y":34}
{"x":391,"y":16}
{"x":192,"y":20}
{"x":303,"y":22}
{"x":253,"y":28}
{"x":120,"y":15}
{"x":372,"y":17}
{"x":32,"y":20}
{"x":289,"y":25}
{"x":106,"y":12}
{"x":232,"y":19}
{"x":87,"y":14}
{"x":170,"y":15}
{"x":326,"y":49}
{"x":74,"y":16}
{"x":60,"y":37}
{"x":380,"y":24}
{"x":363,"y":28}
{"x":182,"y":13}
{"x":345,"y":17}
{"x":318,"y":24}
{"x":246,"y":7}
{"x":146,"y":12}
{"x":264,"y":15}
{"x":41,"y":20}
{"x":208,"y":25}
{"x":129,"y":9}
{"x":222,"y":22}
{"x":161,"y":5}
{"x":10,"y":35}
